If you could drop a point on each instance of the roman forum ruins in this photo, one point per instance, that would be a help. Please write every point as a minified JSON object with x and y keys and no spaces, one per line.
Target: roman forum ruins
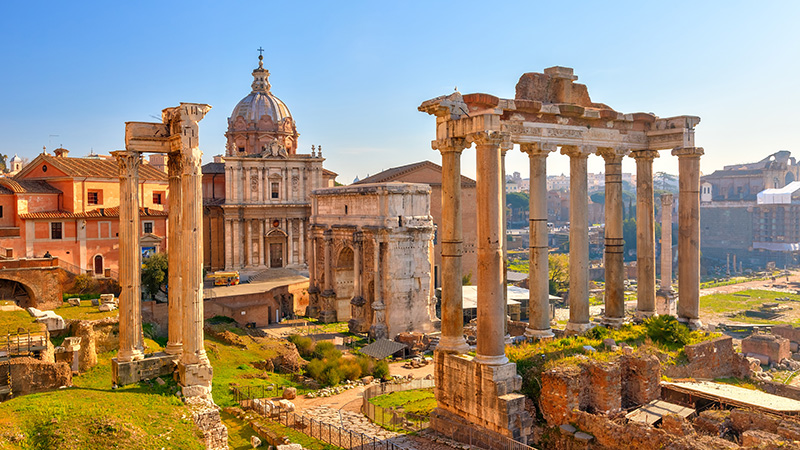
{"x":177,"y":136}
{"x":550,"y":111}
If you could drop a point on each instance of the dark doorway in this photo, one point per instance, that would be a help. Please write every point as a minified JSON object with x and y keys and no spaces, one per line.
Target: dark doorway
{"x":98,"y":265}
{"x":276,"y":255}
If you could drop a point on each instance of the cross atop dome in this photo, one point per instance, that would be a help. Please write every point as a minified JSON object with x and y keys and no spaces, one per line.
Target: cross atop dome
{"x":261,"y":75}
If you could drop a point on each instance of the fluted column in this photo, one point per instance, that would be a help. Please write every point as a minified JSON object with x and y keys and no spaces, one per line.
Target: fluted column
{"x":452,"y":339}
{"x":328,"y":307}
{"x":491,"y":304}
{"x":689,"y":234}
{"x":248,"y":191}
{"x":302,"y":242}
{"x":131,"y":340}
{"x":290,"y":242}
{"x":538,"y":271}
{"x":614,"y":243}
{"x":666,"y":242}
{"x":260,"y":174}
{"x":357,"y":323}
{"x":229,"y":244}
{"x":578,"y":239}
{"x":378,"y":329}
{"x":645,"y":234}
{"x":236,"y":248}
{"x":174,"y":254}
{"x":194,"y":370}
{"x":248,"y":242}
{"x":262,"y":254}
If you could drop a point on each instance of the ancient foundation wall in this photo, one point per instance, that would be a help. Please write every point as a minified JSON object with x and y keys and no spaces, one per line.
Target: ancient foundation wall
{"x":479,"y":394}
{"x":97,"y":336}
{"x":711,"y":359}
{"x":29,"y":375}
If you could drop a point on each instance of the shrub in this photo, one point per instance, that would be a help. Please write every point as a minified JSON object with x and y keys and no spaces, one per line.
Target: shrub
{"x":304,"y":344}
{"x":85,"y":283}
{"x":381,"y":369}
{"x":666,"y":330}
{"x":326,"y":350}
{"x":598,"y":333}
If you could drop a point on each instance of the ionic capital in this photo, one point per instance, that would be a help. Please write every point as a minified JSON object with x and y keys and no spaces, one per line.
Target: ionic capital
{"x":644,"y":154}
{"x":489,"y":138}
{"x":611,"y":155}
{"x":688,"y":152}
{"x":450,"y":145}
{"x":575,"y":151}
{"x":538,"y":149}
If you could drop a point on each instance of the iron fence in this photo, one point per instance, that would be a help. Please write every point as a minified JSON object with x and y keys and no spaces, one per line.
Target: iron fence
{"x":330,"y":434}
{"x":389,"y":417}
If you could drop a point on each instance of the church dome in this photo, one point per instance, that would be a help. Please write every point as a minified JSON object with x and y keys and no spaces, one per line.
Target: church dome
{"x":260,"y":107}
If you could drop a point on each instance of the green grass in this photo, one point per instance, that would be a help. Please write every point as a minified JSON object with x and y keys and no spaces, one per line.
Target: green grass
{"x":239,"y":432}
{"x":84,"y":312}
{"x":415,"y":401}
{"x":726,"y":303}
{"x":90,"y":415}
{"x":10,"y":321}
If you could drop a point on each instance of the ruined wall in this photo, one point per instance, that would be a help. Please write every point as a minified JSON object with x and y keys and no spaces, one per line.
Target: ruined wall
{"x":776,"y":348}
{"x":711,"y":359}
{"x":787,"y":331}
{"x":29,"y":375}
{"x":97,"y":336}
{"x":642,"y":379}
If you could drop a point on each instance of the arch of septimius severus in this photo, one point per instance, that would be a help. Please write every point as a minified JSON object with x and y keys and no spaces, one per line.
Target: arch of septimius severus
{"x":550,"y":112}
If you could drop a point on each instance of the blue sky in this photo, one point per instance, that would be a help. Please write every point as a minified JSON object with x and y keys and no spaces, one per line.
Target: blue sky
{"x":353,"y":73}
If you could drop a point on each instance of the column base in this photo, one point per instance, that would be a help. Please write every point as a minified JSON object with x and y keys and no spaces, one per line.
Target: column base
{"x":508,"y":340}
{"x":530,"y":333}
{"x":642,"y":315}
{"x":130,"y":355}
{"x":693,"y":324}
{"x":173,"y":349}
{"x":195,"y":379}
{"x":497,"y":360}
{"x":613,"y":322}
{"x":574,"y":328}
{"x":327,"y":316}
{"x":379,"y":331}
{"x":129,"y":372}
{"x":357,"y":326}
{"x":452,"y":344}
{"x":666,"y":304}
{"x":313,"y":312}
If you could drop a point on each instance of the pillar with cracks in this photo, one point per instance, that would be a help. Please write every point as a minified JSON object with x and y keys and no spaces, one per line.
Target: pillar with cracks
{"x":578,"y":239}
{"x":452,"y":339}
{"x":131,"y":339}
{"x":491,"y":305}
{"x":194,"y":369}
{"x":175,"y":248}
{"x":665,"y":296}
{"x":645,"y":234}
{"x":538,"y":272}
{"x":614,"y":262}
{"x":689,"y":235}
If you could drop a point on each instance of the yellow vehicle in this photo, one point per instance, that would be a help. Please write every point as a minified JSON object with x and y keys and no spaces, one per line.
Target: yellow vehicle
{"x":225,"y":278}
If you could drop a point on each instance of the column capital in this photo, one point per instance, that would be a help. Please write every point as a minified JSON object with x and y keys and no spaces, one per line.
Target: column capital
{"x":644,"y":154}
{"x":489,"y":137}
{"x":688,"y":152}
{"x":666,"y":199}
{"x":578,"y":151}
{"x":128,"y":162}
{"x":449,"y":145}
{"x":538,"y":148}
{"x":358,"y":238}
{"x":174,"y":164}
{"x":611,"y":155}
{"x":327,"y":235}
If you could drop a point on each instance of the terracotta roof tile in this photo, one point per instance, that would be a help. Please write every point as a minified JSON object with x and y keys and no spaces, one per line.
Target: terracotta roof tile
{"x":213,"y":167}
{"x":395,"y":173}
{"x":28,"y":186}
{"x":99,"y":168}
{"x":95,"y":213}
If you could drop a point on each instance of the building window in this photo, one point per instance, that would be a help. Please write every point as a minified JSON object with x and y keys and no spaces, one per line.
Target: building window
{"x":1,"y":210}
{"x":148,"y":227}
{"x":275,"y":187}
{"x":104,"y":230}
{"x":94,"y":197}
{"x":55,"y":230}
{"x":157,"y":198}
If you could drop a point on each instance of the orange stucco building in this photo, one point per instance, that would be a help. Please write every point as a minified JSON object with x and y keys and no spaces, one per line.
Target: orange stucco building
{"x":69,"y":208}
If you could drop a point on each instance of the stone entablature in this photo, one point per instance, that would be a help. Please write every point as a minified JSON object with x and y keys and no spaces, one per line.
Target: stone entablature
{"x":371,"y":258}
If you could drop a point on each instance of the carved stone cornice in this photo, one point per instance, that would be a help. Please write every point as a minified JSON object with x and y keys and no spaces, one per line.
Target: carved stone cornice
{"x":688,"y":152}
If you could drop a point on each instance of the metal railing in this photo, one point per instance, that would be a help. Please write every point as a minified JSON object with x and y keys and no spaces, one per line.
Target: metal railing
{"x":389,"y":417}
{"x":325,"y":432}
{"x":69,"y":267}
{"x":476,"y":437}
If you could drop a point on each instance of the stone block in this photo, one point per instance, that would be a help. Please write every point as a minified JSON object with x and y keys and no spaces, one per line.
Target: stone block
{"x":34,"y":312}
{"x":775,"y":347}
{"x":567,"y":429}
{"x":580,"y":436}
{"x":745,"y":419}
{"x":605,"y":387}
{"x":762,"y":439}
{"x":640,"y":379}
{"x":159,"y":364}
{"x":74,"y":301}
{"x":562,"y":389}
{"x":106,"y":307}
{"x":286,"y":405}
{"x":107,"y":298}
{"x":290,"y":393}
{"x":95,"y":302}
{"x":255,"y":441}
{"x":676,"y":425}
{"x":52,"y":321}
{"x":713,"y":421}
{"x":763,"y":360}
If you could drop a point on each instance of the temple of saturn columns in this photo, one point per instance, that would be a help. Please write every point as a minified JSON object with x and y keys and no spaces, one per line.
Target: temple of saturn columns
{"x":550,"y":111}
{"x":176,"y":136}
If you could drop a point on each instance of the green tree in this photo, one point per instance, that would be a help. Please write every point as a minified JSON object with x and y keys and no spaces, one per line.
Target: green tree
{"x":154,"y":273}
{"x":558,"y":272}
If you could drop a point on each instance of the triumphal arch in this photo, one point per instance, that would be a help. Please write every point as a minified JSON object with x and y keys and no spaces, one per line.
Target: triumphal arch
{"x":549,"y":112}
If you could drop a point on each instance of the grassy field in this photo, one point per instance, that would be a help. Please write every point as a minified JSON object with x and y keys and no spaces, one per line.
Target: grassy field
{"x":10,"y":321}
{"x":747,"y":299}
{"x":84,"y":312}
{"x":415,"y":401}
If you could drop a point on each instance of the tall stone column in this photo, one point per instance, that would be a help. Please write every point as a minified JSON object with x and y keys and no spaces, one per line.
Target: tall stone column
{"x":491,"y":304}
{"x":302,"y":242}
{"x":378,"y":330}
{"x":290,"y":242}
{"x":131,"y":339}
{"x":578,"y":239}
{"x":452,"y":339}
{"x":614,"y":243}
{"x":248,"y":242}
{"x":689,"y":235}
{"x":645,"y":234}
{"x":327,"y":312}
{"x":229,"y":244}
{"x":260,"y":173}
{"x":538,"y":272}
{"x":262,"y":254}
{"x":357,"y":323}
{"x":665,"y":295}
{"x":247,"y":191}
{"x":175,"y":248}
{"x":194,"y":369}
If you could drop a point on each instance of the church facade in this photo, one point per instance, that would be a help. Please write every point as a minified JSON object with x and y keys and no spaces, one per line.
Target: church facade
{"x":257,"y":196}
